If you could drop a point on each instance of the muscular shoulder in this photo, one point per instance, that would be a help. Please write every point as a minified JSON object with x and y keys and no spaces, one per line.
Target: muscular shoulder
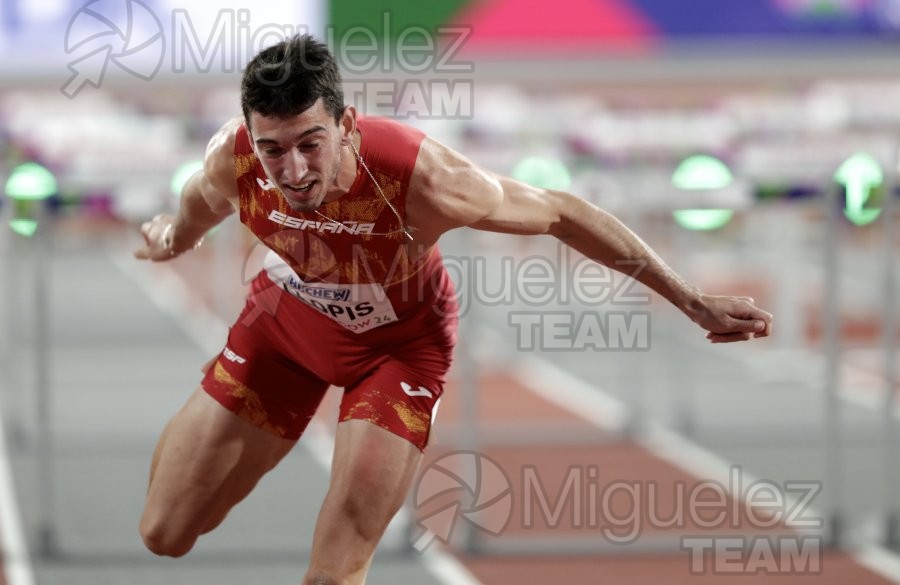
{"x":218,"y":164}
{"x":447,"y":190}
{"x":391,"y":146}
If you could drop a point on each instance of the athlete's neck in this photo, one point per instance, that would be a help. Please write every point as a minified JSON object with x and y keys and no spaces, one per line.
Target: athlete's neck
{"x":349,"y":168}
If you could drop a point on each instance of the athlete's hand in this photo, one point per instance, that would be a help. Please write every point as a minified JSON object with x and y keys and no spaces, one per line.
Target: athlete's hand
{"x":154,"y":232}
{"x":730,"y":319}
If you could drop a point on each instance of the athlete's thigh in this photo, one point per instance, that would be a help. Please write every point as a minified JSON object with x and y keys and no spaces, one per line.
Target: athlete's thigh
{"x":385,"y":424}
{"x":207,"y":460}
{"x":371,"y":474}
{"x":371,"y":460}
{"x":401,"y":395}
{"x":252,"y":406}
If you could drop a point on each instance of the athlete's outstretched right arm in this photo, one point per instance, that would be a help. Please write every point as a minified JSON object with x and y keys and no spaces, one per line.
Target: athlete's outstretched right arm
{"x":207,"y":198}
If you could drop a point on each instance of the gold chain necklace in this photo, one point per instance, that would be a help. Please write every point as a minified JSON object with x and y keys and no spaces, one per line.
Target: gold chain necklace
{"x":383,"y":196}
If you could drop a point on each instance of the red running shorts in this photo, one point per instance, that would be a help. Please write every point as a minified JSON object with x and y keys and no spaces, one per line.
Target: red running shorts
{"x":281,"y":357}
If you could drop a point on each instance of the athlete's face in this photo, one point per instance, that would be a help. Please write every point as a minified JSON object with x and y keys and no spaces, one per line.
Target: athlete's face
{"x":303,"y":155}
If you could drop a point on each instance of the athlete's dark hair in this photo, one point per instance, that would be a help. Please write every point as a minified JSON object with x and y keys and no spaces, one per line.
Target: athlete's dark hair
{"x":285,"y":79}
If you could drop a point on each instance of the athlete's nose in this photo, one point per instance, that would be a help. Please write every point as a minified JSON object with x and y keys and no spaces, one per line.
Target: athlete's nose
{"x":295,"y":169}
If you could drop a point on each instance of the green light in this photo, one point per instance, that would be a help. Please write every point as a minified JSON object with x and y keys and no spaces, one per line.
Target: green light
{"x":702,"y":219}
{"x":30,"y":182}
{"x":24,"y":227}
{"x":825,"y":8}
{"x":182,"y":174}
{"x":702,"y":172}
{"x":860,"y":175}
{"x":543,"y":172}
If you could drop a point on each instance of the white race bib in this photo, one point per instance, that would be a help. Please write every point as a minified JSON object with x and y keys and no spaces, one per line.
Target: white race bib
{"x":357,"y":307}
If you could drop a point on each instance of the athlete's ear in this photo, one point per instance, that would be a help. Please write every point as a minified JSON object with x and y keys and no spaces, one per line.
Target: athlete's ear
{"x":348,"y":125}
{"x":250,"y":133}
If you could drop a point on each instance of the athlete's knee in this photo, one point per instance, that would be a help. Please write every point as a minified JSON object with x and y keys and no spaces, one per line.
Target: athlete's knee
{"x":162,"y":539}
{"x":368,"y":502}
{"x":162,"y":544}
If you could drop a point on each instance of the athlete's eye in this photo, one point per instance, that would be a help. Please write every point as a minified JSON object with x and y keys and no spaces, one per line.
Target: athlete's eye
{"x":309,"y":146}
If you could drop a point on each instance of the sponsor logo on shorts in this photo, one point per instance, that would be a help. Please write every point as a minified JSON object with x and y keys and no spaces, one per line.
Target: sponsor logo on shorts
{"x":330,"y":294}
{"x":422,"y":391}
{"x":334,"y":227}
{"x":233,"y":357}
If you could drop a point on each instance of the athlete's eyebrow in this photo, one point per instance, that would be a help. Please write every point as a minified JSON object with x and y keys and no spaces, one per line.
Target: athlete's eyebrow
{"x":312,"y":130}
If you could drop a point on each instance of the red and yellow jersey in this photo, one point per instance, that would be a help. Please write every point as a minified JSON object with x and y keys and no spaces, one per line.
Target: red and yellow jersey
{"x":354,"y":265}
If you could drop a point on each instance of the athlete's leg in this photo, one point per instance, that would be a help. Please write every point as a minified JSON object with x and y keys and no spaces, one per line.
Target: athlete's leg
{"x":207,"y":460}
{"x":386,"y":422}
{"x":253,"y":405}
{"x":370,"y":477}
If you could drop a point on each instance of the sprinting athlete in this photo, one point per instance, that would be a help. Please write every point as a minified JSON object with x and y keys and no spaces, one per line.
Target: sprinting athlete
{"x":355,"y":295}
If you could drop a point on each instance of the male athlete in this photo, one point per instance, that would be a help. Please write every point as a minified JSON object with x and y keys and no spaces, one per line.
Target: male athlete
{"x":355,"y":296}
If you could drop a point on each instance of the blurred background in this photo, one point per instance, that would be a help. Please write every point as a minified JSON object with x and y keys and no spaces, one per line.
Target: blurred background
{"x":752,"y":143}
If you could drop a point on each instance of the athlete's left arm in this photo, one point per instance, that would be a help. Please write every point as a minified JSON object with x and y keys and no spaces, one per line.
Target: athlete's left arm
{"x":462,"y":193}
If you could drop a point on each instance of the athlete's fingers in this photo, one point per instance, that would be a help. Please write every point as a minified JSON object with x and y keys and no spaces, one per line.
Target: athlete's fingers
{"x":143,"y":253}
{"x":146,"y":228}
{"x":767,"y":330}
{"x":758,"y":313}
{"x":150,"y":233}
{"x":748,"y":326}
{"x":750,"y":318}
{"x":765,"y":318}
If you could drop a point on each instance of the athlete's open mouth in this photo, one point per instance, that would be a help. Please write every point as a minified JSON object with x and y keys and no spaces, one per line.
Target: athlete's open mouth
{"x":305,"y":187}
